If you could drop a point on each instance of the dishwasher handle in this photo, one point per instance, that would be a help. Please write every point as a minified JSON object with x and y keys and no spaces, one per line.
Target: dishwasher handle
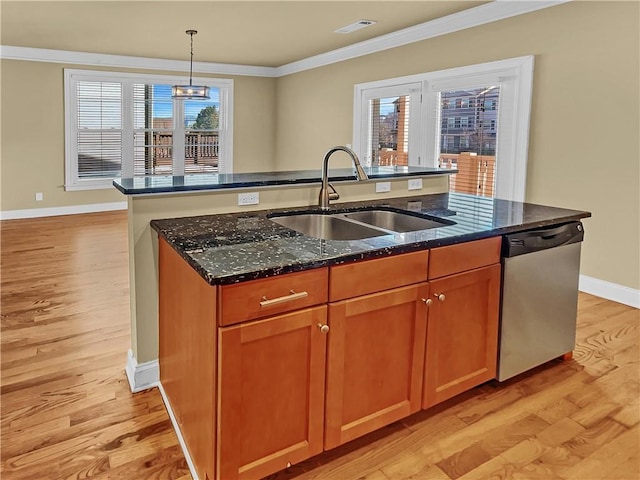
{"x":541,"y":239}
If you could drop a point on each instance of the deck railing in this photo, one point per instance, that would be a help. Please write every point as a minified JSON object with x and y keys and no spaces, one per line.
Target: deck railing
{"x":476,"y":173}
{"x":197,"y":146}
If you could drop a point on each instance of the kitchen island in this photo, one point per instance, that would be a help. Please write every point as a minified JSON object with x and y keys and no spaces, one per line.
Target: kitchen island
{"x":153,"y":197}
{"x":275,"y":346}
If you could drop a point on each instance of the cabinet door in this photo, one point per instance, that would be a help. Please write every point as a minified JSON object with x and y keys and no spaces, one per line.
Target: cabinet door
{"x":462,"y":333}
{"x":271,"y":393}
{"x":375,"y":360}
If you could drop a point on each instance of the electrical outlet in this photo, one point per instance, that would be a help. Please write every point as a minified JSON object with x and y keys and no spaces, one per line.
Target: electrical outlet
{"x":39,"y":196}
{"x":251,"y":198}
{"x":414,"y":184}
{"x":383,"y":187}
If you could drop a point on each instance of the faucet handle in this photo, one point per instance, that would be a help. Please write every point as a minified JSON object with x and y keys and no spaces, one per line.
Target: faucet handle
{"x":333,"y":194}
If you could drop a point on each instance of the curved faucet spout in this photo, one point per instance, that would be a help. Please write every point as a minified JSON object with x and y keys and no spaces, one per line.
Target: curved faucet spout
{"x":325,"y":195}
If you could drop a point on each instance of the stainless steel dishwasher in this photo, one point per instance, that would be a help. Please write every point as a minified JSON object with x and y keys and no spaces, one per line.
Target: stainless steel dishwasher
{"x":539,"y":296}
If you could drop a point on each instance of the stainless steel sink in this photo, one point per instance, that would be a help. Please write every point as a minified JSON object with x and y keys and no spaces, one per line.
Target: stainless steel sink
{"x":328,"y":227}
{"x":358,"y":224}
{"x":394,"y":221}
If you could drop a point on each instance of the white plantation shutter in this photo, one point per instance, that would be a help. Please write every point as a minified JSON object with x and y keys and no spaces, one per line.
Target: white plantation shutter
{"x":124,"y":125}
{"x":99,"y":129}
{"x":153,"y":125}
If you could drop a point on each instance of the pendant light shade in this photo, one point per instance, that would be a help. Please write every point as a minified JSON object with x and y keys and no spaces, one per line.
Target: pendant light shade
{"x":187,"y":92}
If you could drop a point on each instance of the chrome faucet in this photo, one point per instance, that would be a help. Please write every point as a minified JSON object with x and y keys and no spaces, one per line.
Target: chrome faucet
{"x":325,"y":194}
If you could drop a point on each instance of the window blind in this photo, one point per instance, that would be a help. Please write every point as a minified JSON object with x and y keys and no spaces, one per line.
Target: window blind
{"x":99,"y":129}
{"x":124,"y":125}
{"x":389,"y":130}
{"x":153,"y":125}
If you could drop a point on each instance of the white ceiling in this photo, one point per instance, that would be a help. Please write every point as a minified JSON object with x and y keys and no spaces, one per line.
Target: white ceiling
{"x":263,"y":33}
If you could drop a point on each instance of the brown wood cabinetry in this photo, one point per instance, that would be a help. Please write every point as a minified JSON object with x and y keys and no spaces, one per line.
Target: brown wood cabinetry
{"x":187,"y":345}
{"x":249,"y":398}
{"x":462,"y":331}
{"x":374,"y":364}
{"x":266,"y":373}
{"x":265,"y":297}
{"x":360,"y":278}
{"x":271,"y":399}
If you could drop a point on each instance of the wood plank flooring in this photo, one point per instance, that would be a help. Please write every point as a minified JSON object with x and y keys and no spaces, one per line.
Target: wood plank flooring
{"x":67,"y":412}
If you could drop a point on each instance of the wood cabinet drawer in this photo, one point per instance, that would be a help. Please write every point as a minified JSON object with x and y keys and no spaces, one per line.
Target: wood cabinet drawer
{"x":270,"y":296}
{"x":370,"y":276}
{"x":458,"y":258}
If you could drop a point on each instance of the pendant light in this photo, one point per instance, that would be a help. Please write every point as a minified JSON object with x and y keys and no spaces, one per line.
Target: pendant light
{"x":200,"y":92}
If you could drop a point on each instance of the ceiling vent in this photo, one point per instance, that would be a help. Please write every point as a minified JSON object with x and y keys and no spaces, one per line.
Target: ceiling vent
{"x":355,"y":26}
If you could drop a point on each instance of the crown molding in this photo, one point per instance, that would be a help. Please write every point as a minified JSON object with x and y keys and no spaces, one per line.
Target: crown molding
{"x":123,"y":61}
{"x":473,"y":17}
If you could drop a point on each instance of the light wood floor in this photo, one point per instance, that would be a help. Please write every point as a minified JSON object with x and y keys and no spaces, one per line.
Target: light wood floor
{"x":67,"y":412}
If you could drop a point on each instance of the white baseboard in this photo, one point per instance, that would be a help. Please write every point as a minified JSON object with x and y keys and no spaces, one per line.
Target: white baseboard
{"x":55,"y":211}
{"x":142,"y":376}
{"x":176,"y":427}
{"x":610,"y":291}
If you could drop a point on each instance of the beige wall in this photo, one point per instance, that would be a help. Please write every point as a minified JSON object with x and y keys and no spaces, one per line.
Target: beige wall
{"x":32,"y":135}
{"x":584,"y":140}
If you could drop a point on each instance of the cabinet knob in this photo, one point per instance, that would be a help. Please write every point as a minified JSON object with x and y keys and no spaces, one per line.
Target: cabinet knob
{"x":428,"y":301}
{"x":440,"y":296}
{"x":323,"y":328}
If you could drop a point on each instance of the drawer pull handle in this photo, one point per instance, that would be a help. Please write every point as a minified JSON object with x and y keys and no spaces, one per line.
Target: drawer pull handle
{"x":439,"y":296}
{"x":287,"y":298}
{"x":324,"y":329}
{"x":428,"y":301}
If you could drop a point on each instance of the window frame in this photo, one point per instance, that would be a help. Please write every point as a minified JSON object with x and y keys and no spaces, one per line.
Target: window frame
{"x":410,"y":89}
{"x":71,"y":79}
{"x":515,"y":76}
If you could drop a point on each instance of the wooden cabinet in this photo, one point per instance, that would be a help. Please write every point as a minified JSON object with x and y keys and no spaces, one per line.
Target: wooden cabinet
{"x":360,"y":278}
{"x":187,"y":347}
{"x":374,"y":363}
{"x":265,"y":297}
{"x":271,"y":397}
{"x":462,"y":330}
{"x":266,"y":373}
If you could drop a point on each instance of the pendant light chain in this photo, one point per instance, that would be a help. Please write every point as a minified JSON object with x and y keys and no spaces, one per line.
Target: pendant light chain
{"x":192,"y":33}
{"x":186,"y":92}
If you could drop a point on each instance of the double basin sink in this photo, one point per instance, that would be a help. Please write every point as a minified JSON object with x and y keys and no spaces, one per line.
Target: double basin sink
{"x":357,"y":225}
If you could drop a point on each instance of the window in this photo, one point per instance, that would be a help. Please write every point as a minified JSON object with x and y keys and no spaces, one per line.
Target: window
{"x":125,"y":125}
{"x":391,"y":125}
{"x":496,"y":97}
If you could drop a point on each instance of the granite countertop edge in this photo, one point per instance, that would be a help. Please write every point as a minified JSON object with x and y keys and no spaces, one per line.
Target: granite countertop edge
{"x":194,"y":248}
{"x":157,"y":184}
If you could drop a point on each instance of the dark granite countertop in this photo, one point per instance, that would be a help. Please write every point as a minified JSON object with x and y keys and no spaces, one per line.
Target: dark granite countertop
{"x":231,"y":248}
{"x":198,"y":182}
